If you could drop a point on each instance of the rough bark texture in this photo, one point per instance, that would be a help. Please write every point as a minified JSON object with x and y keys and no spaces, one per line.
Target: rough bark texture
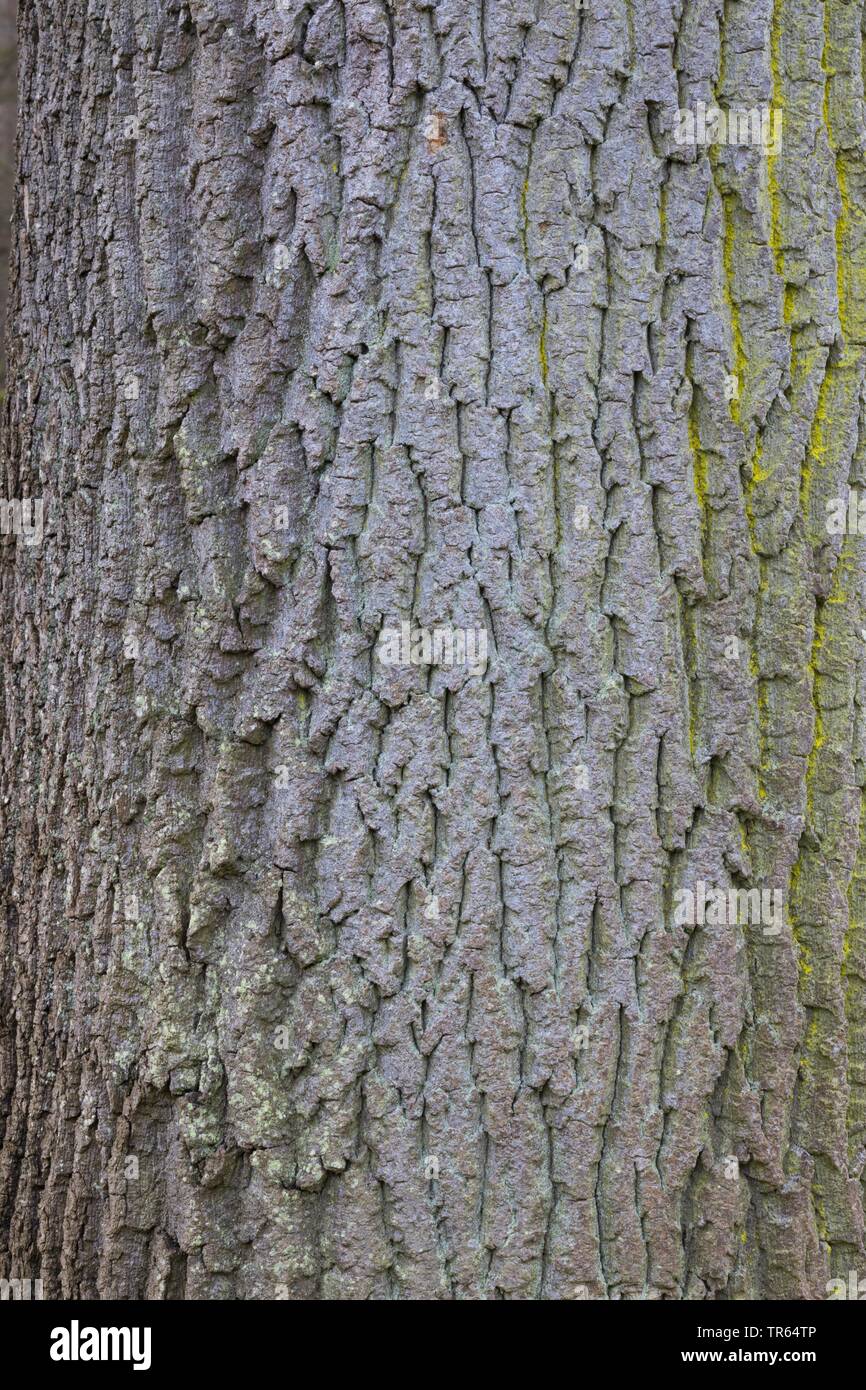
{"x":7,"y":156}
{"x":329,"y":979}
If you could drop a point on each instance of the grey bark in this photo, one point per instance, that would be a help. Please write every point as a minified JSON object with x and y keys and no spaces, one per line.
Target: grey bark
{"x":326,"y":978}
{"x":8,"y":107}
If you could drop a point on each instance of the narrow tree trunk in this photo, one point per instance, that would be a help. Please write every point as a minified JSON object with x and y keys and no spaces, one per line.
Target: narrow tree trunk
{"x":7,"y":160}
{"x":332,"y":975}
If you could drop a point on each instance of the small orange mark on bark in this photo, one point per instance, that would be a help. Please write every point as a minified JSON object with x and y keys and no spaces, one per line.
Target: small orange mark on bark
{"x":435,"y":131}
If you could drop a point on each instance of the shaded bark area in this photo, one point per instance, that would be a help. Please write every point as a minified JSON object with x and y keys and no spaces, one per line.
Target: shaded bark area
{"x":325,"y":978}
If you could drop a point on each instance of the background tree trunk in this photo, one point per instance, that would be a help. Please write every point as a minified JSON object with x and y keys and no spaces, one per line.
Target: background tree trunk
{"x":328,"y":978}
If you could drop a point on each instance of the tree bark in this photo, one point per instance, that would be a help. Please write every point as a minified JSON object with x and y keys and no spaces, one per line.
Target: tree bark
{"x":7,"y":160}
{"x":328,"y":977}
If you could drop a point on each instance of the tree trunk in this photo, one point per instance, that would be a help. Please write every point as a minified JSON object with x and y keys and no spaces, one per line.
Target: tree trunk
{"x":334,"y":968}
{"x":7,"y":161}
